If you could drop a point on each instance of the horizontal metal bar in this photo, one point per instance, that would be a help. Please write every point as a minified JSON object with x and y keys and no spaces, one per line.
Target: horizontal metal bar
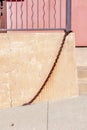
{"x":34,"y":29}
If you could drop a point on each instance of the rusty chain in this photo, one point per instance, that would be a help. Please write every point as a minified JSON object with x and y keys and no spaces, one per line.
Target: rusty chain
{"x":51,"y":71}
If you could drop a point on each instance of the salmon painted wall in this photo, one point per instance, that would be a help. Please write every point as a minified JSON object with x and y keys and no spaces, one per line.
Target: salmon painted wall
{"x":79,"y":17}
{"x":79,"y":21}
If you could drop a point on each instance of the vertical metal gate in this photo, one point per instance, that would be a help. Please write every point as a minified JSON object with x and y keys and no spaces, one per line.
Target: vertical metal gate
{"x":34,"y":15}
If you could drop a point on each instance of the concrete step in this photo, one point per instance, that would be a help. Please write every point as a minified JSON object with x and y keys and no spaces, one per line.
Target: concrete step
{"x":82,"y":72}
{"x":82,"y":79}
{"x":82,"y":87}
{"x":81,"y":56}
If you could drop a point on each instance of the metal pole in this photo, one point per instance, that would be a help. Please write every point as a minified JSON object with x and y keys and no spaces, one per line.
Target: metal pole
{"x":68,"y":15}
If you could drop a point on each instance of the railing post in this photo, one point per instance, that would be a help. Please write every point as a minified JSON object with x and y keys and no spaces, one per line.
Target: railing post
{"x":68,"y":15}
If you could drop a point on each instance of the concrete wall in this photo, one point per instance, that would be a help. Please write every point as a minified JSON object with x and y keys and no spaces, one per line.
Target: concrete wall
{"x":25,"y":61}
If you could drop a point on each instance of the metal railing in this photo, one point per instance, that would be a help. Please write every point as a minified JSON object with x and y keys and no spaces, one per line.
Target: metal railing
{"x":34,"y":15}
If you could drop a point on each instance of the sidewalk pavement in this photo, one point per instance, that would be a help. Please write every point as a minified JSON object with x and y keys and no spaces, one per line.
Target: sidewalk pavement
{"x":68,"y":114}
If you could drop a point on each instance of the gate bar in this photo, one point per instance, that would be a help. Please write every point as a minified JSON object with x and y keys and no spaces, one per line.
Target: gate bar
{"x":68,"y":15}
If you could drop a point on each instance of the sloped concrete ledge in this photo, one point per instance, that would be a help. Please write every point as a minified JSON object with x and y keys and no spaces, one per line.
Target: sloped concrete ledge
{"x":25,"y":61}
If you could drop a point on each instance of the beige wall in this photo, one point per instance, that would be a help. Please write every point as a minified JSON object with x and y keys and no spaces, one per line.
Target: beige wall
{"x":25,"y":61}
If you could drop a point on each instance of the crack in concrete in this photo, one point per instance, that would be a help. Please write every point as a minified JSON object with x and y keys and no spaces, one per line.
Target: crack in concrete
{"x":9,"y":86}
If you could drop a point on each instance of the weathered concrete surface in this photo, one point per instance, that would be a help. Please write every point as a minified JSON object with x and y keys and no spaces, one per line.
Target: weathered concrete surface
{"x":81,"y":61}
{"x":24,"y":118}
{"x":63,"y":82}
{"x":4,"y":71}
{"x":67,"y":114}
{"x":25,"y":61}
{"x":81,"y":56}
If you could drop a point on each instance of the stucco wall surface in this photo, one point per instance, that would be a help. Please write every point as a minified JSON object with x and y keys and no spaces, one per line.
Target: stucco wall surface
{"x":79,"y":21}
{"x":25,"y":61}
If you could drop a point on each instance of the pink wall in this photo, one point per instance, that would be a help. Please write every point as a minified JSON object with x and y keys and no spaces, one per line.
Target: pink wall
{"x":79,"y":21}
